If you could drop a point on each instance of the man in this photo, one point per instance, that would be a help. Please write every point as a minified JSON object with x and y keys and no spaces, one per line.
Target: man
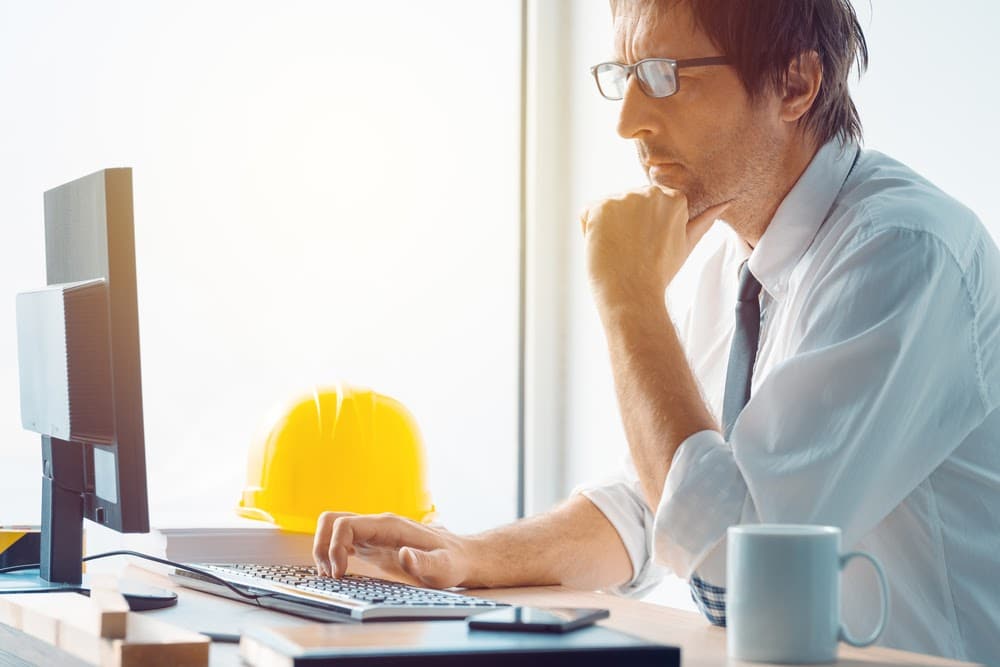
{"x":857,"y":385}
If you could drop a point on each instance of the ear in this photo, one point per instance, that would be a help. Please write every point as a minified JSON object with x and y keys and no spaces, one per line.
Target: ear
{"x":805,"y":74}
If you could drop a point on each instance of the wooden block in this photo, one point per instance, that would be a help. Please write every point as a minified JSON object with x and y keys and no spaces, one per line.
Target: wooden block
{"x":154,"y":643}
{"x":43,"y":615}
{"x":111,"y":613}
{"x":75,"y":624}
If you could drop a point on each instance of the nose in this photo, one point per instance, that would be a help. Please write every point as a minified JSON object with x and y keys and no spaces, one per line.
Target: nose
{"x":637,"y":115}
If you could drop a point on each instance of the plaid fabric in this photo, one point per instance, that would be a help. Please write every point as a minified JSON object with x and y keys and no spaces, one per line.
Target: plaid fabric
{"x":711,"y":600}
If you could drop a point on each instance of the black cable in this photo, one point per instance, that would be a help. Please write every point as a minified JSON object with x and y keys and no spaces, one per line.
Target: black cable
{"x":18,"y":568}
{"x":56,"y":588}
{"x":125,"y":552}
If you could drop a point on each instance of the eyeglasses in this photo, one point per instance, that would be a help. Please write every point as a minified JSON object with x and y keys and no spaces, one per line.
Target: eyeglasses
{"x":657,"y":76}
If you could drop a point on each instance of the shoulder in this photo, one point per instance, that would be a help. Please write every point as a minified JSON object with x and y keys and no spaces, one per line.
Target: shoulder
{"x":887,"y":203}
{"x":892,"y":237}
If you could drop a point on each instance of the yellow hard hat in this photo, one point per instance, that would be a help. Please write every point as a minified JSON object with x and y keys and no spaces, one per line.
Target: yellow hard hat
{"x":337,"y":448}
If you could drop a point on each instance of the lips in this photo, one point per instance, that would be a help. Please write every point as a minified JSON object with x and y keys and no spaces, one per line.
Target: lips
{"x":659,"y":163}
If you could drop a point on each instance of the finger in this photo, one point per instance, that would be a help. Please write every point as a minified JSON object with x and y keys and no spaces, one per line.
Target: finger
{"x":341,"y":545}
{"x":678,"y":201}
{"x":321,"y":542}
{"x":392,"y":530}
{"x":699,"y":225}
{"x":670,"y":192}
{"x":431,"y":568}
{"x":324,"y":526}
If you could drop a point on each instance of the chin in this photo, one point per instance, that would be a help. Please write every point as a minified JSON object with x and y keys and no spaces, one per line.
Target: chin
{"x":671,"y":175}
{"x":673,"y":183}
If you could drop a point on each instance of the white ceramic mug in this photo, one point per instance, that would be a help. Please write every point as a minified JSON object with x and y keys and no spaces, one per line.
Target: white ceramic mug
{"x":783,"y":593}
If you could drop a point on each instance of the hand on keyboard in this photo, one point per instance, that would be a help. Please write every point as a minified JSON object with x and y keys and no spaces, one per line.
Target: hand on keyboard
{"x":429,"y":556}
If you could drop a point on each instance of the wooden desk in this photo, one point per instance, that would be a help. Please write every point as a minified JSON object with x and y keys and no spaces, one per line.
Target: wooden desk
{"x":702,"y":644}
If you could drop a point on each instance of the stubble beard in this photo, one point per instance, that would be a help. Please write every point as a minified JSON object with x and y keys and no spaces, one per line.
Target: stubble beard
{"x":742,"y":175}
{"x":702,"y":187}
{"x":699,"y":192}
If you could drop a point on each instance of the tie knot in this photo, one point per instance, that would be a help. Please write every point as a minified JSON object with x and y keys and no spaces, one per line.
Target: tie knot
{"x":749,"y":286}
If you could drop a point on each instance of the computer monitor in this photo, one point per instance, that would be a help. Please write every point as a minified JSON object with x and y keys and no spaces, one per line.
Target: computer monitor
{"x":89,"y":235}
{"x":81,"y":385}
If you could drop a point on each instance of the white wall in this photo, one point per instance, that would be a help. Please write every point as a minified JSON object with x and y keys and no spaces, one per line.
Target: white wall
{"x":929,"y":99}
{"x":323,"y":190}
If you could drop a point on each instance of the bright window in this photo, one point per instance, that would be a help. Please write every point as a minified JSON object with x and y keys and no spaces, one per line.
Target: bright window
{"x":323,"y":190}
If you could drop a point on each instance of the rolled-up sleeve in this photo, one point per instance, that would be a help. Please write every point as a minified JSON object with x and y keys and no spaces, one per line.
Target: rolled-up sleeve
{"x":883,"y":381}
{"x":703,"y":491}
{"x":620,"y":499}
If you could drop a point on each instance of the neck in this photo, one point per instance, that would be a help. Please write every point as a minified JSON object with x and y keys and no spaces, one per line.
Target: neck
{"x":753,"y":216}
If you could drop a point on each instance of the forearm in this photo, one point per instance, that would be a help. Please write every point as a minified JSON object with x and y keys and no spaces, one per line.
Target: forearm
{"x":572,"y":545}
{"x":659,"y":399}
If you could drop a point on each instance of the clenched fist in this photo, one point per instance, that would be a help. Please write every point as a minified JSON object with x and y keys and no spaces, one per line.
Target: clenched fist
{"x":638,"y":241}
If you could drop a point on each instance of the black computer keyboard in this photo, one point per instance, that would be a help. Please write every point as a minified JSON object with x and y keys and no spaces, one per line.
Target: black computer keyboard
{"x":379,"y":596}
{"x":366,"y":589}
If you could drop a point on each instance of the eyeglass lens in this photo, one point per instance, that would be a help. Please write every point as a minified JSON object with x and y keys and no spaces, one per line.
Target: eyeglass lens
{"x":656,"y":77}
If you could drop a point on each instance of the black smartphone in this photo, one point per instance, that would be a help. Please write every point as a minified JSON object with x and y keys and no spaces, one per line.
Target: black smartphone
{"x":535,"y":619}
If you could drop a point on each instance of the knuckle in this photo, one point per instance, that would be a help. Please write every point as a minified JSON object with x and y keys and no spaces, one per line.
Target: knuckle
{"x":329,"y":517}
{"x":599,"y":211}
{"x":340,"y":524}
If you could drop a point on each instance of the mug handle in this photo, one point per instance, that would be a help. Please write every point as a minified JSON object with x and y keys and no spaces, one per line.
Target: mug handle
{"x":870,"y":639}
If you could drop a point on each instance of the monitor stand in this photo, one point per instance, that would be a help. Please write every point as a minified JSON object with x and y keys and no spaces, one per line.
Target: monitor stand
{"x":62,"y":535}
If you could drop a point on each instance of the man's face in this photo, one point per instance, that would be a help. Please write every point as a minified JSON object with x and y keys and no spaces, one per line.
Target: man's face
{"x":708,"y":140}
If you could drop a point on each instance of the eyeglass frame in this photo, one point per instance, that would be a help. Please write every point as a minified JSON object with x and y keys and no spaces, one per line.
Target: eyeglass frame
{"x":674,"y":65}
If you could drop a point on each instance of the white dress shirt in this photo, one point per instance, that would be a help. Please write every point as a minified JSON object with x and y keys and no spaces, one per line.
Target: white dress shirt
{"x":873,"y":407}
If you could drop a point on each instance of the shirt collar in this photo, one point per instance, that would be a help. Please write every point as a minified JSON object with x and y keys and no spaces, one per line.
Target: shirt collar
{"x":800,"y":215}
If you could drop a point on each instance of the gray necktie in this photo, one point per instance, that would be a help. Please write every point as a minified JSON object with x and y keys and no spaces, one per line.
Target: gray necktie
{"x":711,"y":599}
{"x":743,"y":352}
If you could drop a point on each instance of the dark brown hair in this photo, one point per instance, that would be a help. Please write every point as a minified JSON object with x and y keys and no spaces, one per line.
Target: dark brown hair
{"x":763,"y":37}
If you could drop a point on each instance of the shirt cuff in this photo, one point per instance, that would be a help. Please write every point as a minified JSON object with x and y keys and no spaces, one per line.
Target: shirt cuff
{"x":703,"y":495}
{"x":631,"y":518}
